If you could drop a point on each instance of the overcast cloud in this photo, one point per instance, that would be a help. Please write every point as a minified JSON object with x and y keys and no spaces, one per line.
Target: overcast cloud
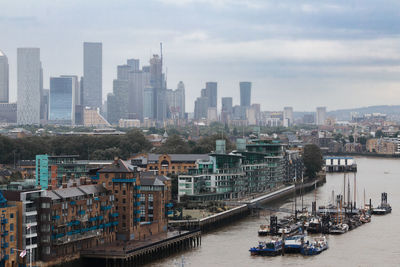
{"x":303,"y":54}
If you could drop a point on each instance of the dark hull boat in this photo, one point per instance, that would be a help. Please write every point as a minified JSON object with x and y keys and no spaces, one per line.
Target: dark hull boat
{"x":271,"y":248}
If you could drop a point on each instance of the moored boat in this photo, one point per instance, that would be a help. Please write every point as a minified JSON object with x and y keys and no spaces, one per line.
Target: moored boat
{"x":384,"y":207}
{"x":314,"y":247}
{"x":269,"y":248}
{"x":294,"y":243}
{"x":264,"y":230}
{"x":338,"y":229}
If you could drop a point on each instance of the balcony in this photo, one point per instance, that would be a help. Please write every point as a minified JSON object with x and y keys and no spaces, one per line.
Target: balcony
{"x":170,"y":212}
{"x":6,"y":257}
{"x":169,"y":205}
{"x":4,"y":221}
{"x":81,"y":212}
{"x":137,"y":211}
{"x":4,"y":245}
{"x":56,"y":217}
{"x":71,"y":223}
{"x":77,"y":236}
{"x":113,"y":215}
{"x":72,"y":202}
{"x":137,"y":187}
{"x":119,"y":180}
{"x":105,"y":207}
{"x":4,"y":233}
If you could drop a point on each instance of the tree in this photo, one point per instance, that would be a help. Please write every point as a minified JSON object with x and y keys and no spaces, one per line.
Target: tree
{"x":313,"y":161}
{"x":351,"y":139}
{"x":174,"y":145}
{"x":379,"y":134}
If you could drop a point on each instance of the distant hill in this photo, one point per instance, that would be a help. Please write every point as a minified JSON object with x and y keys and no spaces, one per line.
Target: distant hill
{"x":345,"y":114}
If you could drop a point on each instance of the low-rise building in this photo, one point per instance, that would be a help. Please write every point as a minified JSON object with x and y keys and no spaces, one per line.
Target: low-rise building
{"x":8,"y":232}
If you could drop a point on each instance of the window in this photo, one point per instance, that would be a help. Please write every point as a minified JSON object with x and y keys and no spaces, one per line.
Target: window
{"x":11,"y":227}
{"x":11,"y":238}
{"x":150,"y":197}
{"x":124,"y":192}
{"x":47,"y":250}
{"x":11,"y":215}
{"x":116,"y":191}
{"x":124,"y":200}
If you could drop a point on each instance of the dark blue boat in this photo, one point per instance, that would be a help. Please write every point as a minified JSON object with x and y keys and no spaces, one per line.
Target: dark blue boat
{"x":271,"y":248}
{"x":314,"y":247}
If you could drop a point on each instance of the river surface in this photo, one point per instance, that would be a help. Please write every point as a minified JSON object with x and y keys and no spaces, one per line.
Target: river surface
{"x":373,"y":244}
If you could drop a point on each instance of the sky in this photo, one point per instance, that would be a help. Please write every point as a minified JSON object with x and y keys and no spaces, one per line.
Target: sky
{"x":304,"y":54}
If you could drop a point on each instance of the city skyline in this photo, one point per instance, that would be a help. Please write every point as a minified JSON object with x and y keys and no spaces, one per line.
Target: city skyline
{"x":344,"y":55}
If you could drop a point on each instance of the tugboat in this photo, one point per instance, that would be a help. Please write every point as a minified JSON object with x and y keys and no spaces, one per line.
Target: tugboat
{"x":314,"y":247}
{"x":270,"y":248}
{"x":293,"y":244}
{"x":384,"y":207}
{"x":314,"y":225}
{"x":338,"y":229}
{"x":264,"y":230}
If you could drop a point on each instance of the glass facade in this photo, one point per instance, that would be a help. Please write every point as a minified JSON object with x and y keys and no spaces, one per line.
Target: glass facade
{"x":62,"y":100}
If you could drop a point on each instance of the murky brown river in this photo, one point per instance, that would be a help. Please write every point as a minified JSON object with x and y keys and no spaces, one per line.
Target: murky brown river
{"x":373,"y":244}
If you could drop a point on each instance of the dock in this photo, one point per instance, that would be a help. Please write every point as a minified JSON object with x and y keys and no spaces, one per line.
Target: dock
{"x":141,"y":252}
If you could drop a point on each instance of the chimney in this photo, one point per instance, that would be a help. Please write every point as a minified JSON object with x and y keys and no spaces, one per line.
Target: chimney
{"x":82,"y":180}
{"x":50,"y":187}
{"x":64,"y":181}
{"x":88,"y":180}
{"x":73,"y":180}
{"x":115,"y":160}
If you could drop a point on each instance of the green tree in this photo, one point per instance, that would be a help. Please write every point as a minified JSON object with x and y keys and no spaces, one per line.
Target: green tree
{"x":351,"y":139}
{"x":379,"y":134}
{"x":313,"y":160}
{"x":174,"y":145}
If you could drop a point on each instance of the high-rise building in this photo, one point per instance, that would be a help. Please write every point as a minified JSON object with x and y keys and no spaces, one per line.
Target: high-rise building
{"x":287,"y":116}
{"x":92,"y":73}
{"x":176,"y":102}
{"x":245,"y":94}
{"x":29,"y":85}
{"x":227,"y":104}
{"x":320,"y":116}
{"x":62,"y":100}
{"x":148,"y":99}
{"x":4,"y":76}
{"x":211,"y":91}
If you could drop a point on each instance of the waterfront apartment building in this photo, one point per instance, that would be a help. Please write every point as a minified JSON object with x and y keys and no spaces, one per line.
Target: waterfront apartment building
{"x":92,"y":73}
{"x":123,"y":180}
{"x":29,"y":85}
{"x":24,"y":197}
{"x":9,"y":233}
{"x":73,"y":218}
{"x":4,"y":78}
{"x":166,"y":164}
{"x":253,"y":168}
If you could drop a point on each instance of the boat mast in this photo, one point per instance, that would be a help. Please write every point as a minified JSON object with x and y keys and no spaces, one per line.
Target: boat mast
{"x":355,"y":190}
{"x":364,"y":199}
{"x":348,"y":191}
{"x":344,"y":187}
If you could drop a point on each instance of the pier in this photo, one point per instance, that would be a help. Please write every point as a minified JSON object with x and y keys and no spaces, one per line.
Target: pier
{"x":140,"y":252}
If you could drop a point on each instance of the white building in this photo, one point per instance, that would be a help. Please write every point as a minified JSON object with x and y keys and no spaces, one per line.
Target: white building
{"x":4,"y":75}
{"x":29,"y":75}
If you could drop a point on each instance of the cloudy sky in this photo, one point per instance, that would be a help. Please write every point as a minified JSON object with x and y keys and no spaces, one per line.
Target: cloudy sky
{"x":339,"y":53}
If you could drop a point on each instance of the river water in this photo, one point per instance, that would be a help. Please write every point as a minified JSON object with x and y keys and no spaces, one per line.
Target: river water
{"x":373,"y":244}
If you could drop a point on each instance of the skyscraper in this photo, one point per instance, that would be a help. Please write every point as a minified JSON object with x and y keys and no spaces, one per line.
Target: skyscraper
{"x":28,"y":85}
{"x":4,"y":76}
{"x":320,"y":116}
{"x":245,"y":94}
{"x":92,"y":73}
{"x":227,"y":104}
{"x":176,"y":102}
{"x":211,"y":89}
{"x":62,"y":100}
{"x":287,"y":116}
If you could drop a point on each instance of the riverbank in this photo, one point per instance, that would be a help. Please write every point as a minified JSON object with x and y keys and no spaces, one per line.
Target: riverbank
{"x":363,"y":154}
{"x":243,"y":208}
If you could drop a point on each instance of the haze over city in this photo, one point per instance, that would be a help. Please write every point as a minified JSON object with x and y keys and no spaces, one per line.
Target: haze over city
{"x":302,"y":54}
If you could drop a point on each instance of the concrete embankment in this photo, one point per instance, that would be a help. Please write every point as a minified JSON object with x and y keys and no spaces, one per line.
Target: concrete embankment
{"x":243,"y":208}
